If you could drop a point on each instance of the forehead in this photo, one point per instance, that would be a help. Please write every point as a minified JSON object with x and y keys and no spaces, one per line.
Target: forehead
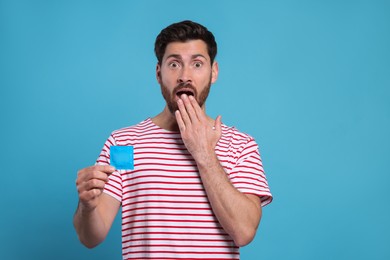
{"x":189,"y":48}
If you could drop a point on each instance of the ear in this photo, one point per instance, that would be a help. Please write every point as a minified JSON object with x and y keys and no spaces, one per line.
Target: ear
{"x":214,"y":72}
{"x":158,"y":73}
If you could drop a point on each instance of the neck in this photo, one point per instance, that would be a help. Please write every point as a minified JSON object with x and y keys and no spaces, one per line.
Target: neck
{"x":166,"y":120}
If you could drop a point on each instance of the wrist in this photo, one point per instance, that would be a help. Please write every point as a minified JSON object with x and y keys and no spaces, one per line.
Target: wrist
{"x":207,"y":161}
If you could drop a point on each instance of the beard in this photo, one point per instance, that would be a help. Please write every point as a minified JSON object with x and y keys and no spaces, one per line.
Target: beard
{"x":170,"y":96}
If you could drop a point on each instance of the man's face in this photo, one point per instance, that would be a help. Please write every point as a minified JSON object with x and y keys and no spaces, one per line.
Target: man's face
{"x":186,"y":69}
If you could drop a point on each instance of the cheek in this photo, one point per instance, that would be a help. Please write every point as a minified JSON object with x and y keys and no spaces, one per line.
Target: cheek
{"x":167,"y":78}
{"x":206,"y":79}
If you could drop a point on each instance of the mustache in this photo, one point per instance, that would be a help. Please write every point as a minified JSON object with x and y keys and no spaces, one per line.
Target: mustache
{"x":184,"y":85}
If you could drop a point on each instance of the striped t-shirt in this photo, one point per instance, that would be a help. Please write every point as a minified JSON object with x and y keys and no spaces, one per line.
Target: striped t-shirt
{"x":165,"y":210}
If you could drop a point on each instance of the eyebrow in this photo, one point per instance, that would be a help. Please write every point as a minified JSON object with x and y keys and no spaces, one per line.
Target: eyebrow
{"x":177,"y":56}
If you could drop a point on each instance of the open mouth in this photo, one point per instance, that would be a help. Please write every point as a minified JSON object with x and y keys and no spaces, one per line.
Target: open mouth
{"x":188,"y":92}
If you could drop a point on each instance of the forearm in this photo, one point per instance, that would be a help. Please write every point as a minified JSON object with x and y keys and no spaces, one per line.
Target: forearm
{"x":236,"y":212}
{"x":89,"y":226}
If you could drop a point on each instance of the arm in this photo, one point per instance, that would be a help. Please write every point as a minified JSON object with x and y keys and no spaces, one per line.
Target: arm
{"x":96,"y":210}
{"x":239,"y":214}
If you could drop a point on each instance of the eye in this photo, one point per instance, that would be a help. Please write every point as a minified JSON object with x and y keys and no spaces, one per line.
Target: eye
{"x":173,"y":64}
{"x":198,"y":64}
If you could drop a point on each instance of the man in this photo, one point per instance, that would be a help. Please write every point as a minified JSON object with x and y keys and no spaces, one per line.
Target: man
{"x":197,"y":187}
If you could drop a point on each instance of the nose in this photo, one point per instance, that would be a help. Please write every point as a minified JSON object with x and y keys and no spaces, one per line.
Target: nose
{"x":185,"y":75}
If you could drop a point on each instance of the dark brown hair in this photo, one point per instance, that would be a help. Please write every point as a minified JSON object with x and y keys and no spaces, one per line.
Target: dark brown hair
{"x":182,"y":32}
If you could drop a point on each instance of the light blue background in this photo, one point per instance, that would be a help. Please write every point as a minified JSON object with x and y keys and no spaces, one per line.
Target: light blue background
{"x":308,"y":79}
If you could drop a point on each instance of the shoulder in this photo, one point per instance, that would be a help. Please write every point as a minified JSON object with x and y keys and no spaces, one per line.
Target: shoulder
{"x":232,"y":134}
{"x":235,"y":142}
{"x":130,"y":132}
{"x":141,"y":133}
{"x":141,"y":126}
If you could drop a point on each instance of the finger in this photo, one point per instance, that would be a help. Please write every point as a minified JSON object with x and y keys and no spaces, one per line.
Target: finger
{"x":85,"y":173}
{"x":183,"y":111}
{"x":179,"y":121}
{"x":189,"y":107}
{"x":96,"y":171}
{"x":94,"y":184}
{"x":108,"y":169}
{"x":97,"y":175}
{"x":90,"y":185}
{"x":90,"y":194}
{"x":197,"y":109}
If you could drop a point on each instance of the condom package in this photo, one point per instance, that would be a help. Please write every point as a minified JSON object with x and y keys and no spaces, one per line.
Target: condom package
{"x":122,"y":157}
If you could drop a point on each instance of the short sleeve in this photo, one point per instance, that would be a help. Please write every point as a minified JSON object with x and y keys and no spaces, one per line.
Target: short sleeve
{"x":114,"y":185}
{"x":248,"y":174}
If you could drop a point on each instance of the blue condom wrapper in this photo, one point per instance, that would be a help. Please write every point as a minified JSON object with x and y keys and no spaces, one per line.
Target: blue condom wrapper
{"x":122,"y":157}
